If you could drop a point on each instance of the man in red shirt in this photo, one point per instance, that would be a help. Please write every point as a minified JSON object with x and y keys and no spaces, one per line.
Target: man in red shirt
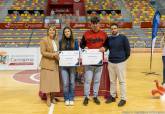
{"x":93,"y":39}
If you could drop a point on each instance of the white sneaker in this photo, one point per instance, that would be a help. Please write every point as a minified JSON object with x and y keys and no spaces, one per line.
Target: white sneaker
{"x":67,"y":103}
{"x":71,"y":103}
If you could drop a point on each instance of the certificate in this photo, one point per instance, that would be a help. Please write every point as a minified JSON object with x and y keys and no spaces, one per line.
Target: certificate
{"x":69,"y":58}
{"x":92,"y":57}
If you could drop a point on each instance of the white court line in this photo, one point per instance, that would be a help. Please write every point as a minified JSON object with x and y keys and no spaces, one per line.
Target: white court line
{"x":32,"y":77}
{"x":13,"y":75}
{"x":51,"y":109}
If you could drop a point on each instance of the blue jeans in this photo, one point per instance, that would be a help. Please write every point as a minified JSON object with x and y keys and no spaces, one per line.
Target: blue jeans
{"x":91,"y":71}
{"x":163,"y":59}
{"x":68,"y":78}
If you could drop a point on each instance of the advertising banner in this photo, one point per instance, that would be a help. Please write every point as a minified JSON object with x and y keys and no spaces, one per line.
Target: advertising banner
{"x":19,"y":58}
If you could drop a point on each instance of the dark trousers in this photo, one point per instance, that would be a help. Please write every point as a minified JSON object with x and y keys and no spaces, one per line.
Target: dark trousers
{"x":163,"y":58}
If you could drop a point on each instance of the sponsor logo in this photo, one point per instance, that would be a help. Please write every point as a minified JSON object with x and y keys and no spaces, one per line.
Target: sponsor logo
{"x":21,"y":60}
{"x":3,"y":57}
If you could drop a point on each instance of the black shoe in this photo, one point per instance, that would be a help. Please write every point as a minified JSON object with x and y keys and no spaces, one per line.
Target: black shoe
{"x":96,"y":100}
{"x":110,"y":100}
{"x":85,"y":102}
{"x":122,"y":103}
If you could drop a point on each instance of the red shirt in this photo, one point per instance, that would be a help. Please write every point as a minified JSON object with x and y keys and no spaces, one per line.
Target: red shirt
{"x":94,"y":40}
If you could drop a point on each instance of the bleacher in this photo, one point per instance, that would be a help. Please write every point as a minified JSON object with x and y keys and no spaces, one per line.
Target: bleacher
{"x":25,"y":7}
{"x":28,"y":5}
{"x":103,"y":5}
{"x":21,"y":37}
{"x":139,"y":38}
{"x":2,"y":4}
{"x":148,"y":32}
{"x":141,"y":10}
{"x":100,"y":4}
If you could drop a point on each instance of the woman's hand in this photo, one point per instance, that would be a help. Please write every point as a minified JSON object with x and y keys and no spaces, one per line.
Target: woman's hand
{"x":56,"y":56}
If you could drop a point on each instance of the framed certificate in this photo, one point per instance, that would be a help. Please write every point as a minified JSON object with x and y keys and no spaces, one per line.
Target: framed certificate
{"x":92,"y":57}
{"x":69,"y":58}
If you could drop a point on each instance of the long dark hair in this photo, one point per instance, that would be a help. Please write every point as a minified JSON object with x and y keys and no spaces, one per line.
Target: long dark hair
{"x":64,"y":39}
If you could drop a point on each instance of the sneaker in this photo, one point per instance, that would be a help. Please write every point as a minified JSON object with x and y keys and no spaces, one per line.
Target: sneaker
{"x":122,"y":103}
{"x":110,"y":100}
{"x":67,"y":103}
{"x":71,"y":103}
{"x":85,"y":102}
{"x":96,"y":100}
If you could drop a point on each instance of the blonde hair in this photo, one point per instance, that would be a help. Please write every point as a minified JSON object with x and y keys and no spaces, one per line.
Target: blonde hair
{"x":54,"y":28}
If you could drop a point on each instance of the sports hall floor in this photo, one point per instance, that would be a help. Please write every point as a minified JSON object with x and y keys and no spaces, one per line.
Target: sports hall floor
{"x":22,"y":98}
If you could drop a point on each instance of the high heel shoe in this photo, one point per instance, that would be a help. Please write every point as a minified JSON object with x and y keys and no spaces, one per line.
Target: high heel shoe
{"x":48,"y":100}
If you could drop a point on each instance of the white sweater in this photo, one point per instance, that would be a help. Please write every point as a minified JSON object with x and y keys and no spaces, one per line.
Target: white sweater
{"x":163,"y":51}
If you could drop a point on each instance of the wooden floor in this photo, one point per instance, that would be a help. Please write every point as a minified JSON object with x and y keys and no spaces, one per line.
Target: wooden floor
{"x":22,"y":98}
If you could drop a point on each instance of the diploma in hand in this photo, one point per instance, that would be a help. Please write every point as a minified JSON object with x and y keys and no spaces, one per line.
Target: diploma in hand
{"x":92,"y":57}
{"x":69,"y":58}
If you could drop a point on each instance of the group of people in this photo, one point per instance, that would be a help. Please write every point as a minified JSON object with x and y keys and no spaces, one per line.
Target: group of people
{"x":95,"y":38}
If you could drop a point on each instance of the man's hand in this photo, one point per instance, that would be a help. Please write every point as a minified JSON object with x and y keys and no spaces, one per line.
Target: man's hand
{"x":102,"y":49}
